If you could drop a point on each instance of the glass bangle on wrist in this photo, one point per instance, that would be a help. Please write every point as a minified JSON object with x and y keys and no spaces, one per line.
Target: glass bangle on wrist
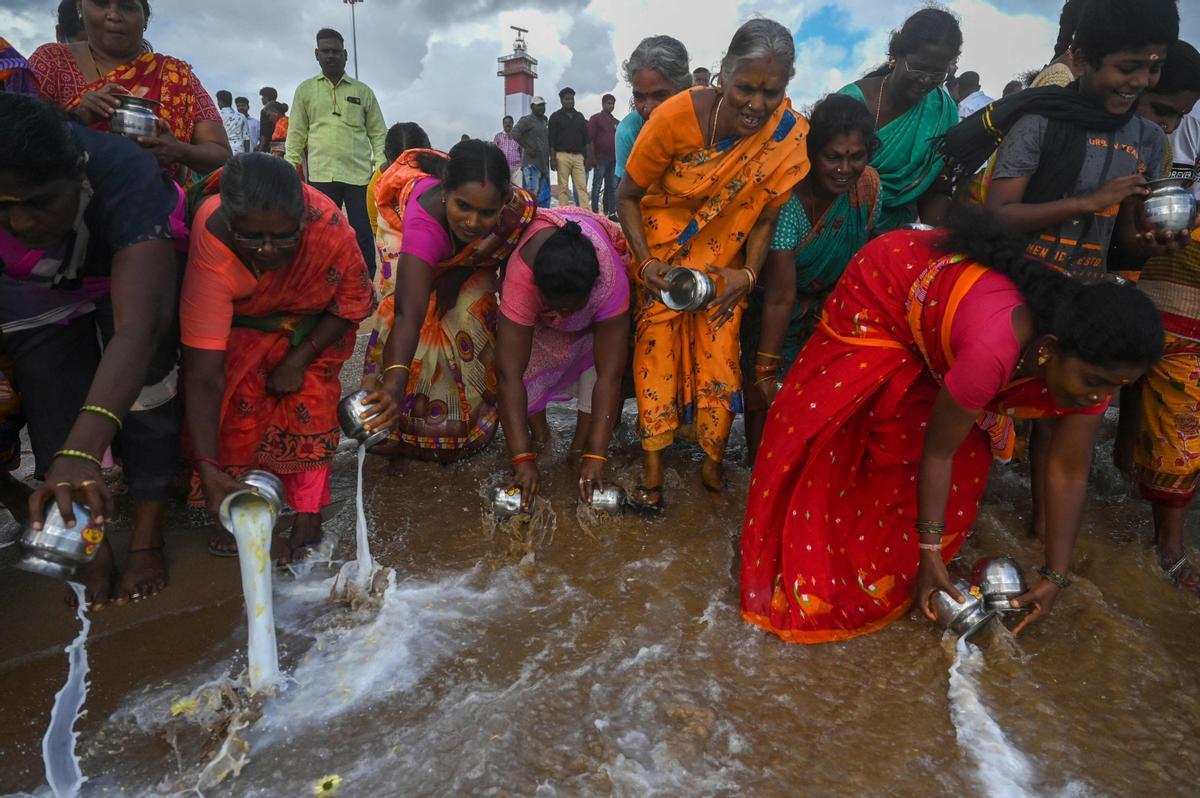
{"x":1051,"y":575}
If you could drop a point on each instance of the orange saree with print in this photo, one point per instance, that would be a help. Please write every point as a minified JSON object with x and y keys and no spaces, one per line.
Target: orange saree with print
{"x":700,"y":205}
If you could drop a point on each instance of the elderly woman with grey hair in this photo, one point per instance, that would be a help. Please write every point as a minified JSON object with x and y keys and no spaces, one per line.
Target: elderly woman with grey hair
{"x":657,"y":70}
{"x":702,"y":189}
{"x":275,"y":288}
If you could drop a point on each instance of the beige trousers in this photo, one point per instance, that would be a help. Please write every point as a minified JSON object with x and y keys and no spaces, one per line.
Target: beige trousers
{"x":570,"y":165}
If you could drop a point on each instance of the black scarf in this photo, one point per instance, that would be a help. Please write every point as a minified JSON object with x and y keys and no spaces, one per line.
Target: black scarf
{"x":1070,"y":115}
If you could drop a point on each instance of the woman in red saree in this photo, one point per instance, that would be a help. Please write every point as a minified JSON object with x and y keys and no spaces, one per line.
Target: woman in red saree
{"x":274,"y":291}
{"x":83,"y":78}
{"x":877,"y":449}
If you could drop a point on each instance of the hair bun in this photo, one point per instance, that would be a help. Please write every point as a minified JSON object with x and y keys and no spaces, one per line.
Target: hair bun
{"x":573,"y":229}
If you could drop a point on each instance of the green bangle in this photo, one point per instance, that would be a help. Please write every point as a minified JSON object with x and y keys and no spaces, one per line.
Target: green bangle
{"x":78,"y":455}
{"x":1054,"y":576}
{"x":97,"y":409}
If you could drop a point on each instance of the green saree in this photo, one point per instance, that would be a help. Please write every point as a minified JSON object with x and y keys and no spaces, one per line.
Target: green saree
{"x":908,"y":162}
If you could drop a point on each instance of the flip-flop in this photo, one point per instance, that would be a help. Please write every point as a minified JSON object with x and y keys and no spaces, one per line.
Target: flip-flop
{"x":645,"y":506}
{"x":1180,"y":574}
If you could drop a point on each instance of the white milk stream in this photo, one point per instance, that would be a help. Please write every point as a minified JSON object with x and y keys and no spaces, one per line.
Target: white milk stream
{"x":1003,"y":769}
{"x":359,"y":572}
{"x":63,"y":773}
{"x":252,"y":526}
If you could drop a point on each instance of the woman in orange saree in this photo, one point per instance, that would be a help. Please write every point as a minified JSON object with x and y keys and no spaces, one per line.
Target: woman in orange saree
{"x":84,"y":77}
{"x":702,"y":189}
{"x":446,"y":225}
{"x":877,"y":449}
{"x":274,"y":291}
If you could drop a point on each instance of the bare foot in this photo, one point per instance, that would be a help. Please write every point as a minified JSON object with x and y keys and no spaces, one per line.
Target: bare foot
{"x":221,"y":543}
{"x":96,"y":578}
{"x":306,"y":535}
{"x":145,"y":574}
{"x":710,"y":476}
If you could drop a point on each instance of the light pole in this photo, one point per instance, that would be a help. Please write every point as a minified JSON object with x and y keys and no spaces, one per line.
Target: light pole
{"x":353,"y":33}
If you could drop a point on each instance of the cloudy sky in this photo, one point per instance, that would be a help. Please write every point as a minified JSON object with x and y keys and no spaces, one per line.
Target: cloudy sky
{"x":434,"y":61}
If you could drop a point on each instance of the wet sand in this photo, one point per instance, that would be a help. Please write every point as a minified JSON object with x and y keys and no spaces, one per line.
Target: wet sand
{"x":608,"y":658}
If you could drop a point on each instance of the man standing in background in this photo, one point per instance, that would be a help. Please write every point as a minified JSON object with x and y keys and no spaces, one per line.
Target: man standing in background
{"x":969,"y":95}
{"x":236,"y":129}
{"x":533,"y":134}
{"x":701,"y":77}
{"x":510,"y":147}
{"x":602,"y":133}
{"x":568,"y":147}
{"x":268,"y":95}
{"x":243,"y":107}
{"x":337,"y":120}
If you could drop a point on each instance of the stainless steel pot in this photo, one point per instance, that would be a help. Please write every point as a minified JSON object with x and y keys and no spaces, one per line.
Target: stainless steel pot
{"x":136,"y":116}
{"x":610,"y":500}
{"x":689,"y":289}
{"x":261,"y":486}
{"x":1168,"y":208}
{"x":349,"y":417}
{"x":999,"y":580}
{"x":56,"y":550}
{"x":959,"y":618}
{"x":506,"y":502}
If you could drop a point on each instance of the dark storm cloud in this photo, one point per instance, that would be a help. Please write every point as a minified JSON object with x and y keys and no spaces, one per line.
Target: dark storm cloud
{"x":593,"y":67}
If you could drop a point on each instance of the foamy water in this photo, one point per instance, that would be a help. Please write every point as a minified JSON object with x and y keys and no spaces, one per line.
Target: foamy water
{"x":614,"y":663}
{"x":1003,"y":771}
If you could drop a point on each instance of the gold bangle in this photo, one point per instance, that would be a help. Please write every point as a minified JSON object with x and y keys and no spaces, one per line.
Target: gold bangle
{"x":929,"y":546}
{"x":753,"y":278}
{"x":768,"y":356}
{"x":78,"y":455}
{"x":100,"y":411}
{"x":395,"y":366}
{"x":590,"y":456}
{"x":642,"y":271}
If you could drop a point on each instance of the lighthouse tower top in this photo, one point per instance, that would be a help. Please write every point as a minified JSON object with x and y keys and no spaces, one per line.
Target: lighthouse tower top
{"x":519,"y":70}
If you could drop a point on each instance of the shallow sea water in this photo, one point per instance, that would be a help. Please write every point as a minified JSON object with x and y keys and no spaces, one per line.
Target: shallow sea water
{"x":588,"y":657}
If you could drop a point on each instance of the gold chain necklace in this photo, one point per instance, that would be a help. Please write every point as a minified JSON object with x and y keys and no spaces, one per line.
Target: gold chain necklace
{"x":879,"y":102}
{"x":712,"y":134}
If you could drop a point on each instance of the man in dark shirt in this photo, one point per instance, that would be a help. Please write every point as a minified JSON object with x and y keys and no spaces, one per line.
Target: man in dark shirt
{"x":268,"y":95}
{"x":569,"y":146}
{"x":602,"y":134}
{"x":531,"y":133}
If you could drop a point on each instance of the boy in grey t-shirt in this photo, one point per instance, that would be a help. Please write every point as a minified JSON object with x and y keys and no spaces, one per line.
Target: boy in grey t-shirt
{"x":1080,"y":242}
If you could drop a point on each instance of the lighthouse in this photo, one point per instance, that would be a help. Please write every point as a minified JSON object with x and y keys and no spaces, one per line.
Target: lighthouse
{"x":519,"y":70}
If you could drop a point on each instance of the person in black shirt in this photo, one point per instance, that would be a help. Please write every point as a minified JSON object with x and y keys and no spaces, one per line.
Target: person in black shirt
{"x":569,"y":147}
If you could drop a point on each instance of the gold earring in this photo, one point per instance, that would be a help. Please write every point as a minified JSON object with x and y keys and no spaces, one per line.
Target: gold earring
{"x":891,"y":63}
{"x":1043,"y":357}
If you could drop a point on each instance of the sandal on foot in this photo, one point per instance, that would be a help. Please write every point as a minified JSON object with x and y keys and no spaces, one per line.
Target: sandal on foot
{"x":639,"y":499}
{"x":1180,"y":574}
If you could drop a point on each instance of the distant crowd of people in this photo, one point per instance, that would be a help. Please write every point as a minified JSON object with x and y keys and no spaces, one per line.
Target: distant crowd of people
{"x":887,"y":283}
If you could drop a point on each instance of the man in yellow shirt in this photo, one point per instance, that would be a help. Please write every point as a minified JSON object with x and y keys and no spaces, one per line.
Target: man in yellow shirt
{"x":337,"y":120}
